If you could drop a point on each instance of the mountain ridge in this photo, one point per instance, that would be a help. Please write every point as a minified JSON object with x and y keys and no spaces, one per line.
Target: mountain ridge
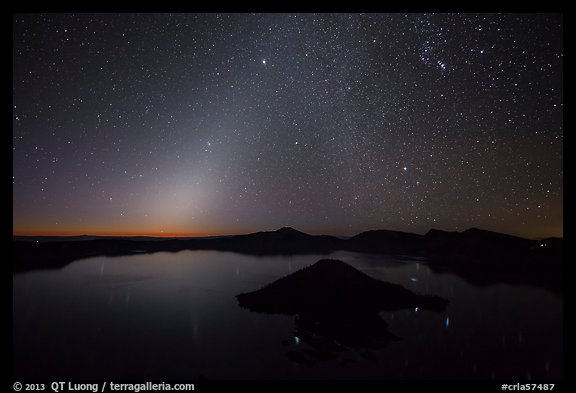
{"x":478,"y":255}
{"x":285,"y":229}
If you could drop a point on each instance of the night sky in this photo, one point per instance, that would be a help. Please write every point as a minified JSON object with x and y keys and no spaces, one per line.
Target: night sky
{"x":185,"y":124}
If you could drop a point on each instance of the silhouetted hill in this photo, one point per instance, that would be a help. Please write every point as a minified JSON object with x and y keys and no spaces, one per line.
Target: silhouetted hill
{"x":387,"y":242}
{"x":289,"y":231}
{"x":336,"y":306}
{"x":331,"y":285}
{"x":472,"y":243}
{"x":475,"y":242}
{"x":485,"y":257}
{"x":282,"y":241}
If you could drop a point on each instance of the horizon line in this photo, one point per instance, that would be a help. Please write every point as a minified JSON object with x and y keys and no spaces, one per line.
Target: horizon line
{"x":159,"y":235}
{"x":203,"y":235}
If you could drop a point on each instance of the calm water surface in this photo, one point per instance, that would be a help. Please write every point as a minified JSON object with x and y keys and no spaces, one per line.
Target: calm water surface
{"x":175,"y":315}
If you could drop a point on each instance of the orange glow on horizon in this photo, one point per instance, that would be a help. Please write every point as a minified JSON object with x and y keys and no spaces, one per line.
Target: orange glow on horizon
{"x":123,"y":230}
{"x":121,"y":234}
{"x":547,"y":232}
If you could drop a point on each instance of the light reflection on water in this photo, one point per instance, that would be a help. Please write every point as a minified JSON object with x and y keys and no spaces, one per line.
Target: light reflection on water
{"x":174,"y":315}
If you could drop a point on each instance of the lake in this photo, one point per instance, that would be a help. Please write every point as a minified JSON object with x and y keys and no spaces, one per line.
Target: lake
{"x":175,"y":316}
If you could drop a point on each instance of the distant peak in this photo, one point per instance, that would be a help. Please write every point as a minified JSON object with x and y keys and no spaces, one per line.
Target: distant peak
{"x":330,"y":262}
{"x":288,"y":230}
{"x":435,"y":231}
{"x":478,"y":231}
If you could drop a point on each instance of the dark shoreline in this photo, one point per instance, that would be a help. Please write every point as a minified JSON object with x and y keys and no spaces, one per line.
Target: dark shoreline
{"x":480,"y":257}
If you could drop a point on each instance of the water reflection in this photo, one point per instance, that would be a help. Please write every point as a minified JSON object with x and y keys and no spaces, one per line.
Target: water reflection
{"x":174,"y":315}
{"x":195,"y":330}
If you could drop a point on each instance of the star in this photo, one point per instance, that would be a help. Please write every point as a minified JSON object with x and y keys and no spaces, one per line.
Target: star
{"x":193,"y":117}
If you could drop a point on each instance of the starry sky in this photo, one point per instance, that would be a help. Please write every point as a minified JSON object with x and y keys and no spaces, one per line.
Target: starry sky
{"x":206,"y":124}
